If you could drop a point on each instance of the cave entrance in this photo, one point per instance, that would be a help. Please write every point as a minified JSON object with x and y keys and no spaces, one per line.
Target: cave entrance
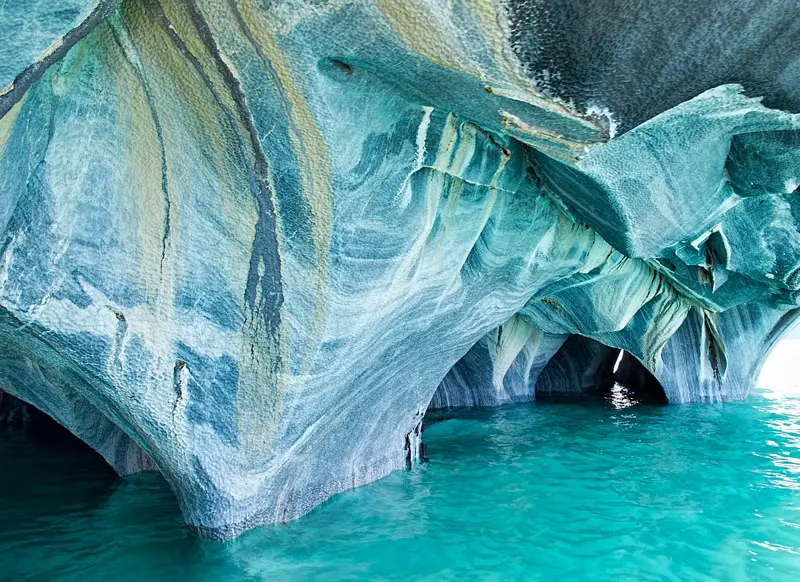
{"x":780,"y":371}
{"x":634,"y":384}
{"x":586,"y":368}
{"x":583,"y":373}
{"x":578,"y":368}
{"x":30,"y":439}
{"x":49,"y":475}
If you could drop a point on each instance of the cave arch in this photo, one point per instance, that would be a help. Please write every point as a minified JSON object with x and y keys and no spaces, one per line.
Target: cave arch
{"x":517,"y":362}
{"x":33,"y":372}
{"x":779,"y":372}
{"x":87,"y":426}
{"x":18,"y":418}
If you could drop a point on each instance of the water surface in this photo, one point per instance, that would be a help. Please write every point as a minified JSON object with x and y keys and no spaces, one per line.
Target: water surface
{"x":580,"y":490}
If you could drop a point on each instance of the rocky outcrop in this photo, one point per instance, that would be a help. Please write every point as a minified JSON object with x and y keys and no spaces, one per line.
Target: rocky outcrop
{"x":246,"y":242}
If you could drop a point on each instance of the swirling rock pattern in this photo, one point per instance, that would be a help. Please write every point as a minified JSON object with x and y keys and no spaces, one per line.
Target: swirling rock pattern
{"x":243,"y":242}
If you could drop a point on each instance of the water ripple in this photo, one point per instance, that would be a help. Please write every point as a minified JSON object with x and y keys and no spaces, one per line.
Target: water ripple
{"x":529,"y":492}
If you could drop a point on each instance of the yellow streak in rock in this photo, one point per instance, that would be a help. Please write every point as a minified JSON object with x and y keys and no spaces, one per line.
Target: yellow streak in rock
{"x":416,"y":26}
{"x":535,"y":98}
{"x":496,"y":33}
{"x":7,"y":123}
{"x":258,"y":395}
{"x":446,"y":144}
{"x":465,"y":150}
{"x":562,"y":148}
{"x":184,"y":91}
{"x":143,"y":164}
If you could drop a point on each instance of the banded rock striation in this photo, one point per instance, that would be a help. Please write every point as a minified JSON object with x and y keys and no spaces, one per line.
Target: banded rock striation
{"x":244,"y":242}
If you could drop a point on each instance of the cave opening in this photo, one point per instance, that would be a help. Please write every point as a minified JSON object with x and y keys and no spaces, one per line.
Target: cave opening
{"x":35,"y":447}
{"x":634,"y":384}
{"x":779,"y":373}
{"x":49,"y":474}
{"x":51,"y":478}
{"x":582,"y":380}
{"x":582,"y":371}
{"x":587,"y":370}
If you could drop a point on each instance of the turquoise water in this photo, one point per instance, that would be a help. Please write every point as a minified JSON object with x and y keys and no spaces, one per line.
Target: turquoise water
{"x":530,"y":492}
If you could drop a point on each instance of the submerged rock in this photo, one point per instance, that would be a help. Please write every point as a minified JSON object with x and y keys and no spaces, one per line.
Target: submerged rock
{"x":245,"y":242}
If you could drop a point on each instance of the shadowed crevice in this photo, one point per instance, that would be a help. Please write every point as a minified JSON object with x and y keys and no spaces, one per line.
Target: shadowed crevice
{"x":20,"y":85}
{"x":638,"y":382}
{"x":582,"y":366}
{"x":19,"y":419}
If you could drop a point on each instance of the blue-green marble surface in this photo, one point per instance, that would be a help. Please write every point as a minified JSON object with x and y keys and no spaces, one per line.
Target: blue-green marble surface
{"x":244,"y":242}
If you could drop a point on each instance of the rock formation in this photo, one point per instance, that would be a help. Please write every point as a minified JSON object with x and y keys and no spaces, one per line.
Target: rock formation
{"x":244,"y":242}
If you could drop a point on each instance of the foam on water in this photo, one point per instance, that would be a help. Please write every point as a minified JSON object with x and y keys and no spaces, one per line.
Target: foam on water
{"x":549,"y":491}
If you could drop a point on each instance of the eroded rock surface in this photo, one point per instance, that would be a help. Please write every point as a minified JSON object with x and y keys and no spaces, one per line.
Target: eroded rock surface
{"x":246,"y":241}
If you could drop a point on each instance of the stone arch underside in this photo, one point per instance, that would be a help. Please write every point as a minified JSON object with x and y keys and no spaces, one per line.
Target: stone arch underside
{"x":702,"y":361}
{"x":50,"y":387}
{"x":250,"y":242}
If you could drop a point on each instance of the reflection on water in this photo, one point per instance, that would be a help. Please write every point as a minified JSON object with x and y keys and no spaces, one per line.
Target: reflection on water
{"x":600,"y":491}
{"x":620,"y":398}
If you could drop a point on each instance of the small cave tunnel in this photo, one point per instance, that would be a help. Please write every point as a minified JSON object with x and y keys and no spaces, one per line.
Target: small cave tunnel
{"x":584,"y":368}
{"x":50,"y":477}
{"x":581,"y":370}
{"x":634,"y":384}
{"x":28,"y":437}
